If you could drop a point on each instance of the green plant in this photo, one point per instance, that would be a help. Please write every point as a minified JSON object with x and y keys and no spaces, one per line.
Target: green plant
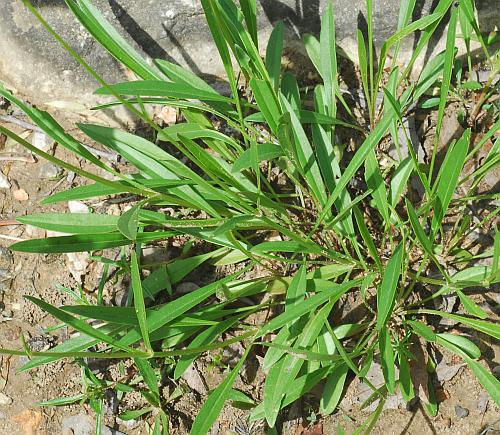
{"x":332,"y":239}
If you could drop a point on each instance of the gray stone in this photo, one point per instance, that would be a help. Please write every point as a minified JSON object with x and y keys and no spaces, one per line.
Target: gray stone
{"x":37,"y":66}
{"x":482,"y":401}
{"x":50,"y":171}
{"x":78,"y":425}
{"x":194,"y":380}
{"x":461,"y":412}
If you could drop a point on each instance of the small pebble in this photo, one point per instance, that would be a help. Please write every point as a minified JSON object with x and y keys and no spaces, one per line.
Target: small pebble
{"x":5,"y":400}
{"x":78,"y":207}
{"x":4,"y":181}
{"x":50,"y":171}
{"x":168,"y":115}
{"x":42,"y":141}
{"x":461,"y":412}
{"x":482,"y":401}
{"x":20,"y":195}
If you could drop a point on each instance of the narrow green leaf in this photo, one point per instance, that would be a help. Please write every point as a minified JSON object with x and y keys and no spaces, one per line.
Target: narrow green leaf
{"x":307,"y":306}
{"x":370,"y":142}
{"x":332,"y":391}
{"x":128,"y":222}
{"x":386,"y":293}
{"x":179,"y":74}
{"x":366,"y":236}
{"x":488,"y":328}
{"x":265,"y":151}
{"x":84,"y":242}
{"x":486,"y":379}
{"x":363,"y":66}
{"x":285,"y":246}
{"x":405,"y":382}
{"x":249,"y":9}
{"x":159,"y":88}
{"x":419,"y":231}
{"x":77,"y":324}
{"x":387,"y":359}
{"x":311,"y":44}
{"x":430,"y":103}
{"x":448,"y":178}
{"x":140,"y":307}
{"x":134,"y":414}
{"x":267,"y":103}
{"x":328,"y":58}
{"x":446,"y":81}
{"x":423,"y":330}
{"x":470,"y":306}
{"x":62,"y":401}
{"x":274,"y":53}
{"x":399,"y":180}
{"x":375,"y":181}
{"x":296,"y":289}
{"x":72,"y":223}
{"x":305,"y":155}
{"x":461,"y":342}
{"x":149,"y":377}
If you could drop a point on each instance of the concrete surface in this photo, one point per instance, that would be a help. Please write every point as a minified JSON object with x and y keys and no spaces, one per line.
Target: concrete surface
{"x":36,"y":66}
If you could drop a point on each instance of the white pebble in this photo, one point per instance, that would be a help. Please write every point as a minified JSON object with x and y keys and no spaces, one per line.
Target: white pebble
{"x":4,"y":181}
{"x":41,"y":141}
{"x":78,"y":207}
{"x":5,"y":400}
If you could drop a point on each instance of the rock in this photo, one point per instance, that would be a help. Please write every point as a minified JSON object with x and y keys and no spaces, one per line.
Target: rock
{"x":20,"y":195}
{"x":4,"y":181}
{"x":167,"y":114}
{"x":5,"y":400}
{"x":42,"y":141}
{"x":482,"y":401}
{"x":78,"y":207}
{"x":109,"y":431}
{"x":50,"y":171}
{"x":78,"y":425}
{"x":177,"y":31}
{"x":445,"y":372}
{"x":194,"y":380}
{"x":77,"y":263}
{"x":34,"y":232}
{"x":461,"y":412}
{"x":40,"y":343}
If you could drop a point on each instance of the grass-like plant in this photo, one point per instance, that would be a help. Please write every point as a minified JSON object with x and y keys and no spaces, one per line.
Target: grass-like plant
{"x":281,"y":171}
